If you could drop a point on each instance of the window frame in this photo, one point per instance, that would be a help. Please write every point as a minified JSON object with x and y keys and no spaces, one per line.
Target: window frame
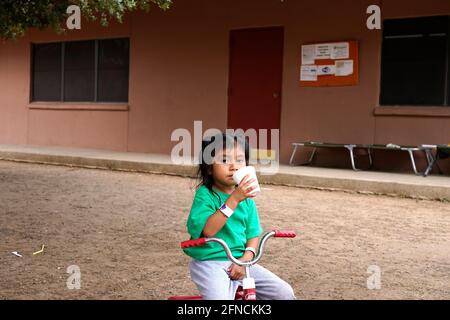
{"x":390,"y":108}
{"x":49,"y":104}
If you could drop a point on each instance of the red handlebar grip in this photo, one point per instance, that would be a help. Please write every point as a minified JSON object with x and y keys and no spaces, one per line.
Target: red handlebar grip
{"x":284,"y":234}
{"x":193,"y":243}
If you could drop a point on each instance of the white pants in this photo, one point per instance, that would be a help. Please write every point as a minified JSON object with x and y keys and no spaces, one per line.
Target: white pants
{"x":213,"y":282}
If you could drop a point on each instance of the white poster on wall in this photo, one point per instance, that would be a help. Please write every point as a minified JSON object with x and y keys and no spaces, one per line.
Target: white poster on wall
{"x":325,"y":70}
{"x":344,"y":68}
{"x":340,"y":50}
{"x":308,"y":54}
{"x":323,"y":51}
{"x":308,"y":73}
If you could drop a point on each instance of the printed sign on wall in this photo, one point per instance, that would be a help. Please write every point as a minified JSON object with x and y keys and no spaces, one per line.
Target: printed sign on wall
{"x":329,"y":64}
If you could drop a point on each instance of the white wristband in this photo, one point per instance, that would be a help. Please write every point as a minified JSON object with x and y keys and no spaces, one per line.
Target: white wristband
{"x":251,"y":249}
{"x":226,"y":210}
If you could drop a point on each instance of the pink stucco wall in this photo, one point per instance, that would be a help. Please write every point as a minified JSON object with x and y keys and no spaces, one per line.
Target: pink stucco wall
{"x":179,"y":74}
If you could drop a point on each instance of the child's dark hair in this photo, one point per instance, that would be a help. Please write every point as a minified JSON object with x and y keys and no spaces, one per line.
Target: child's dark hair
{"x":204,"y":174}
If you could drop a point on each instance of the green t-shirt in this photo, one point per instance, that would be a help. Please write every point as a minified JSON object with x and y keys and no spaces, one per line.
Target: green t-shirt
{"x":241,"y":226}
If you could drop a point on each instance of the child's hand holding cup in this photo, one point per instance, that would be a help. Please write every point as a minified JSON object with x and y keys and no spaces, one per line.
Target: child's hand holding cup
{"x":251,"y":172}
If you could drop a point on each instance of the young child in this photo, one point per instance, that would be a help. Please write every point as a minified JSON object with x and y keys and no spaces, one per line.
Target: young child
{"x":215,"y":276}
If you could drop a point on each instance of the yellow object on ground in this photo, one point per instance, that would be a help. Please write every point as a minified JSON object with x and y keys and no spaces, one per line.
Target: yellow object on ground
{"x":40,"y":251}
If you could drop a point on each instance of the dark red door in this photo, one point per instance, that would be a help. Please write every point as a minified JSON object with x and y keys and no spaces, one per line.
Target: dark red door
{"x":256,"y":65}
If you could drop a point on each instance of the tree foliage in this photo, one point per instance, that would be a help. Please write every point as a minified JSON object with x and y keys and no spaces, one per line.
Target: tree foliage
{"x":17,"y":16}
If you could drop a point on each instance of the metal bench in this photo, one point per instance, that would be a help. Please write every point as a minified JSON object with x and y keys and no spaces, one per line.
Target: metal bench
{"x":427,"y":149}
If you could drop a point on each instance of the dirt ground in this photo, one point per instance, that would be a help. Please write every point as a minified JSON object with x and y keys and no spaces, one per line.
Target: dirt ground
{"x":123,"y":231}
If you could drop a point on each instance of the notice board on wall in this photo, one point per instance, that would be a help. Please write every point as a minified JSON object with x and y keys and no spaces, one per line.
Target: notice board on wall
{"x":329,"y":64}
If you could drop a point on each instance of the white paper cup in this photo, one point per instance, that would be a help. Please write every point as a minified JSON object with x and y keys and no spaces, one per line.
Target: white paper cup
{"x":242,"y":172}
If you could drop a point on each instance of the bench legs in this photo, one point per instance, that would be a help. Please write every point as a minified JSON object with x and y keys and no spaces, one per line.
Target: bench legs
{"x":312,"y":156}
{"x":429,"y":168}
{"x":369,"y":152}
{"x":431,"y":160}
{"x":350,"y":149}
{"x":352,"y":156}
{"x":293,"y":154}
{"x":291,"y":161}
{"x":413,"y":161}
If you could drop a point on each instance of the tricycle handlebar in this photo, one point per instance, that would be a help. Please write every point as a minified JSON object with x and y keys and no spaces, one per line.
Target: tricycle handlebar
{"x":262,"y":243}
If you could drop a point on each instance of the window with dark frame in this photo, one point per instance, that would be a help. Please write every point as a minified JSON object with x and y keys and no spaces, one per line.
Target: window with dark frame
{"x":81,"y":71}
{"x":415,"y":62}
{"x":47,"y":72}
